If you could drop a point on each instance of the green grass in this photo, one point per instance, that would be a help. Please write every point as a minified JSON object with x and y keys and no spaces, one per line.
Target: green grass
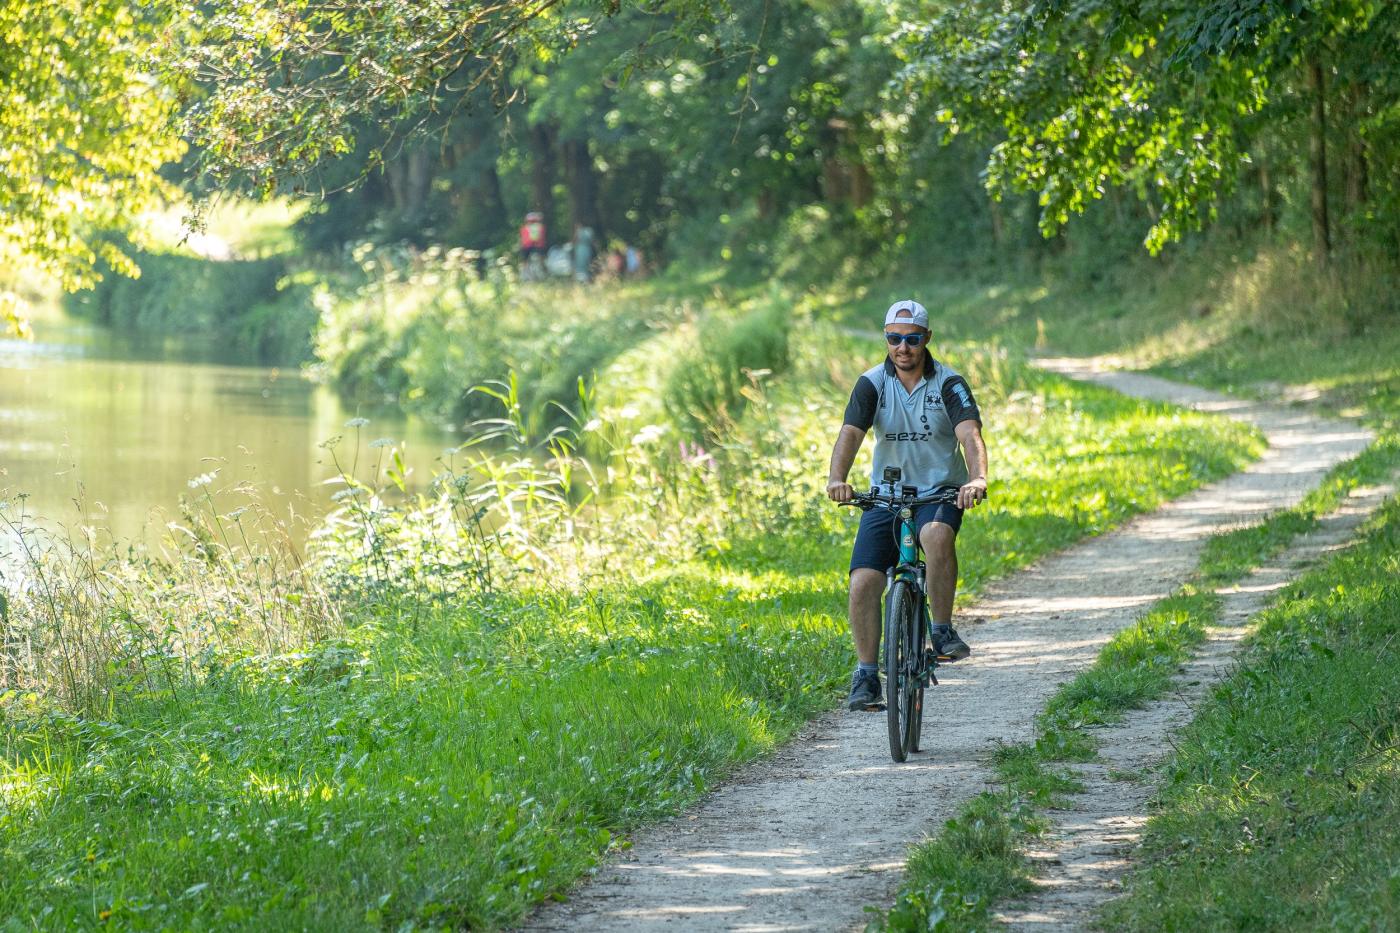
{"x":955,"y":878}
{"x":444,"y":764}
{"x":1283,"y":797}
{"x":447,"y":774}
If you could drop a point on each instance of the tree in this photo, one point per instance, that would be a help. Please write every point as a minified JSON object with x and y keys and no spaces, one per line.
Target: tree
{"x":1164,"y":97}
{"x":85,"y":126}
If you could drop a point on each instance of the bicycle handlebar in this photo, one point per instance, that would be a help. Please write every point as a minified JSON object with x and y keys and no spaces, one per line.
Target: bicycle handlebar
{"x":874,"y":499}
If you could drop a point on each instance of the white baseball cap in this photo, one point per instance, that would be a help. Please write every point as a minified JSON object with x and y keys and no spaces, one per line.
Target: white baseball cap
{"x":907,"y":311}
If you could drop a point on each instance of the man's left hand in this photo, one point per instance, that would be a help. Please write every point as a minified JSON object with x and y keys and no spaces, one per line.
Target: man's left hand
{"x":974,"y":492}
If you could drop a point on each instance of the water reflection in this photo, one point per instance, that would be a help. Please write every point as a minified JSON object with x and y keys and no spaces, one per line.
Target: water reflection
{"x":103,"y":432}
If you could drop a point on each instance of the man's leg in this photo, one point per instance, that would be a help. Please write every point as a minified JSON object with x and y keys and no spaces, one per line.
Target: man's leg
{"x":866,"y":588}
{"x":939,"y":542}
{"x":872,"y":549}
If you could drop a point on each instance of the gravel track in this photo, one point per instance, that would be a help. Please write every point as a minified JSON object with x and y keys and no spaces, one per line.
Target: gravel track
{"x":807,"y":838}
{"x":1091,"y":844}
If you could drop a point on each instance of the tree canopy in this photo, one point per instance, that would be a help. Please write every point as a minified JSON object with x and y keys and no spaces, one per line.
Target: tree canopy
{"x":448,"y":119}
{"x":1172,"y":99}
{"x":85,"y":126}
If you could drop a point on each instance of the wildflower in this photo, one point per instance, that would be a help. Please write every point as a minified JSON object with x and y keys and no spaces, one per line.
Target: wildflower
{"x":203,"y":479}
{"x":695,"y":455}
{"x":648,"y":434}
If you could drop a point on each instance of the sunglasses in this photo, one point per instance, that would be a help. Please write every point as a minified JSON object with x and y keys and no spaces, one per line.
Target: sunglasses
{"x":914,"y":340}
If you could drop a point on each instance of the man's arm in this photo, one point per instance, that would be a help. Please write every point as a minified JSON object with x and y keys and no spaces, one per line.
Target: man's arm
{"x":842,"y":456}
{"x":969,"y":434}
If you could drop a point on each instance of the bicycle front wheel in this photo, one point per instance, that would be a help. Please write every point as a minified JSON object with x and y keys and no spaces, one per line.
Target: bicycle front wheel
{"x":902,"y":715}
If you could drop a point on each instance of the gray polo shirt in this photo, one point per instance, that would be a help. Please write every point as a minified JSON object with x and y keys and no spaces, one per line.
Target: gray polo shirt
{"x":914,"y":430}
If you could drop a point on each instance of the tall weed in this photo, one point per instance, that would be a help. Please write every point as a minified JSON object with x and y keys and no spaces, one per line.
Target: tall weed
{"x":87,"y":623}
{"x":705,"y":391}
{"x":422,"y":329}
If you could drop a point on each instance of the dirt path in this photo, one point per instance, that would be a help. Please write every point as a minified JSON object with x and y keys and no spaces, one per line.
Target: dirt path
{"x":807,"y":838}
{"x":1090,"y":845}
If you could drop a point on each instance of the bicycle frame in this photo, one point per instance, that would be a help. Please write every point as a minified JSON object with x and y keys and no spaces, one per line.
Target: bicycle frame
{"x":909,"y":566}
{"x":910,"y":569}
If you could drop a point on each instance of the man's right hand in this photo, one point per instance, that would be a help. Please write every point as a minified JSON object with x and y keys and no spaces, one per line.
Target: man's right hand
{"x":839,"y":491}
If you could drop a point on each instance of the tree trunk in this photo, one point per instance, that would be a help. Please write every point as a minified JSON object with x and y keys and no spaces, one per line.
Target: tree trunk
{"x":1266,"y":190}
{"x":1354,"y":167}
{"x":583,"y":185}
{"x":1317,"y":153}
{"x":767,"y":203}
{"x":862,"y":185}
{"x":418,"y":179}
{"x":490,"y":207}
{"x":994,"y":214}
{"x":542,"y":169}
{"x":477,"y":205}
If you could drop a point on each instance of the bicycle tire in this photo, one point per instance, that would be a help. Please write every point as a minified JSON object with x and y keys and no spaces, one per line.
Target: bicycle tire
{"x":916,"y":726}
{"x":900,"y":684}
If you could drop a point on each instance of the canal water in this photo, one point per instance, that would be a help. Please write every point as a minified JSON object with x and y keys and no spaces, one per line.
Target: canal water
{"x":103,"y":433}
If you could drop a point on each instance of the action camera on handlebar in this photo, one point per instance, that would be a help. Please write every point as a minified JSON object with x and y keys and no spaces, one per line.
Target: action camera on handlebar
{"x":892,"y":476}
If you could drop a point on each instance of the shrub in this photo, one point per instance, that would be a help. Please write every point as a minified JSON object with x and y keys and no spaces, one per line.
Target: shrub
{"x":706,"y":392}
{"x":249,"y":306}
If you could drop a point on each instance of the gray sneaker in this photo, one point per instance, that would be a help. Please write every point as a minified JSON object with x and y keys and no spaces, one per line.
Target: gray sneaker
{"x":948,"y":645}
{"x":865,"y":691}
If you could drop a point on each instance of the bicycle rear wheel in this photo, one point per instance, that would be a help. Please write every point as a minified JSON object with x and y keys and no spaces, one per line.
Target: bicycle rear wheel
{"x":902,"y":714}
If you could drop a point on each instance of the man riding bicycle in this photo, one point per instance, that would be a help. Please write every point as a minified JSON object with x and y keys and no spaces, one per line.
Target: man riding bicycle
{"x":927,"y":424}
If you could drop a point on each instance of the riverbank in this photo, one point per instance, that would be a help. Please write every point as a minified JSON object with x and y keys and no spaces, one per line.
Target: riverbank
{"x":417,"y":689}
{"x":227,"y":751}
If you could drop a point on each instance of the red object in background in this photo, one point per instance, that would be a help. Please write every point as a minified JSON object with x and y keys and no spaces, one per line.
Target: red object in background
{"x":532,"y":232}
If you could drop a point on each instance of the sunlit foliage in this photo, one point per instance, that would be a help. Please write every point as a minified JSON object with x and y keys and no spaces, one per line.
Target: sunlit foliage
{"x":85,"y":125}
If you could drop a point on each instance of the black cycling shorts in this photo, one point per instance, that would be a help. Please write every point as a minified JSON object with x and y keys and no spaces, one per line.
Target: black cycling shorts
{"x":876,"y":547}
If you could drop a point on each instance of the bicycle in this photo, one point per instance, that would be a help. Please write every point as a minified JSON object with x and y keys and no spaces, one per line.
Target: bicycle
{"x":909,"y":658}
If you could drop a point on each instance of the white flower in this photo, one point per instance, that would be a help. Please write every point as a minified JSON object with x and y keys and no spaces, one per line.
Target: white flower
{"x":203,"y":479}
{"x":648,"y":434}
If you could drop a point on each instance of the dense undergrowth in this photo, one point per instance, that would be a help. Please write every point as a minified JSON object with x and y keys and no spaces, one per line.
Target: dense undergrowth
{"x":466,"y":694}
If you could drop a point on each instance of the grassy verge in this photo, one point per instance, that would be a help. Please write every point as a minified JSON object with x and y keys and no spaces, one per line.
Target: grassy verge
{"x":1283,"y":796}
{"x":977,"y":860}
{"x":436,"y":760}
{"x":1232,"y":331}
